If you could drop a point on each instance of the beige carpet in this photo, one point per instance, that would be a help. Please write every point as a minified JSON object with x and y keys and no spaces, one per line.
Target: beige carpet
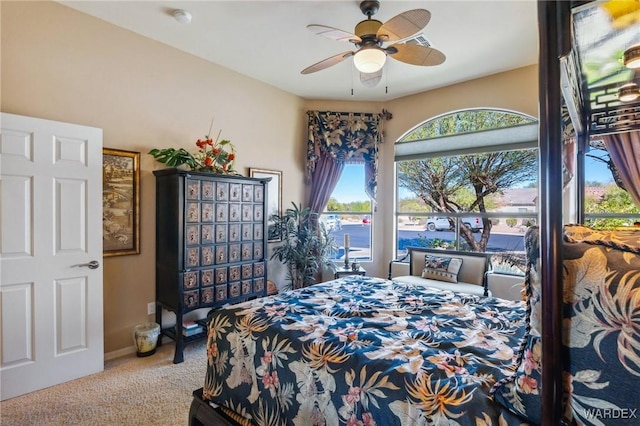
{"x":130,"y":391}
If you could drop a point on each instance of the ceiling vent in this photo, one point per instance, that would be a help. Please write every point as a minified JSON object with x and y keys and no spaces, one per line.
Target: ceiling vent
{"x":418,"y":39}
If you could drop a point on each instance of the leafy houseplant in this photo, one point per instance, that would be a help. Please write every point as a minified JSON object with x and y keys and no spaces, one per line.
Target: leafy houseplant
{"x":213,"y":157}
{"x":306,"y":245}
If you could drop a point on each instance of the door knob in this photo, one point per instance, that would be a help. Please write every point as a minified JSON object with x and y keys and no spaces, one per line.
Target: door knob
{"x":94,"y":264}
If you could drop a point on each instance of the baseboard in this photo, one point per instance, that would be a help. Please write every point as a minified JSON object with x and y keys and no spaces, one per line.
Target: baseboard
{"x":129,"y":350}
{"x":120,"y":352}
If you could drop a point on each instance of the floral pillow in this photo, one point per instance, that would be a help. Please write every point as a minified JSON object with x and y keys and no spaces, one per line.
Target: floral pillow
{"x":601,"y":337}
{"x":441,"y":268}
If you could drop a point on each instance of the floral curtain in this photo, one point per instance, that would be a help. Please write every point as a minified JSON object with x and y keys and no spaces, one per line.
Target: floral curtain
{"x":342,"y":137}
{"x":624,"y":150}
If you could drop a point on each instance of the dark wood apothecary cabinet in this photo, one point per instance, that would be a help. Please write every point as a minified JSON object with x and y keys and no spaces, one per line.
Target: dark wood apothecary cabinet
{"x":210,"y":244}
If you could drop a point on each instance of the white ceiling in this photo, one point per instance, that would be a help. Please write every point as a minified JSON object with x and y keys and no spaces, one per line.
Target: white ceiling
{"x":268,"y":40}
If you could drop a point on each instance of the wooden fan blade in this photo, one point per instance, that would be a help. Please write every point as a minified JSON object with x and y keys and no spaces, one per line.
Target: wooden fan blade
{"x":404,"y":25}
{"x":326,"y":63}
{"x":371,"y":79}
{"x":416,"y":55}
{"x":333,"y":33}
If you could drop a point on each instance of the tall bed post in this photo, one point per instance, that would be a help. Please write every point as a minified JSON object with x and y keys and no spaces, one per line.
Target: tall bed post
{"x":552,"y":23}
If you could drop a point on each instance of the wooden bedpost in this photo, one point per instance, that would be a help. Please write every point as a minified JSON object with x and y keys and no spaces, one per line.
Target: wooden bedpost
{"x":553,"y":27}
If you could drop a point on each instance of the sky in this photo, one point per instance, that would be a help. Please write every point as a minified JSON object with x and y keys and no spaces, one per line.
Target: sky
{"x":351,"y":184}
{"x":596,"y":171}
{"x":350,"y":187}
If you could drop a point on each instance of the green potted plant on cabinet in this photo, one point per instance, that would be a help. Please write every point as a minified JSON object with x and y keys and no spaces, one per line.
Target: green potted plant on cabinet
{"x":306,"y":245}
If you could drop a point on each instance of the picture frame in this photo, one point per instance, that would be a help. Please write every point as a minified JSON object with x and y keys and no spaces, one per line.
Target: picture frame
{"x":273,"y":203}
{"x":120,"y":202}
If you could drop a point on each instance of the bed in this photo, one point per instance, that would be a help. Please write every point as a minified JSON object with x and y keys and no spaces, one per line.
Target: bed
{"x":361,"y":350}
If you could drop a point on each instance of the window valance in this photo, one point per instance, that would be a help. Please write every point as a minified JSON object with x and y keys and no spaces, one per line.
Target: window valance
{"x":347,"y":137}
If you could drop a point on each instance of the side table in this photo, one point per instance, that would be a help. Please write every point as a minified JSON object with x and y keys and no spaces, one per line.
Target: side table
{"x":341,"y":271}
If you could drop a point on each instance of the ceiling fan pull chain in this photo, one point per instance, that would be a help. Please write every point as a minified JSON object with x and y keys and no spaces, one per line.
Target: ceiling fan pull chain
{"x":352,"y":70}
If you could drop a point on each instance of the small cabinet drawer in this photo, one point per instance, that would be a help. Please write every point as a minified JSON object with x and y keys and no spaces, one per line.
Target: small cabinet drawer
{"x":207,"y":190}
{"x":206,"y":277}
{"x":207,"y":256}
{"x":258,"y":285}
{"x":193,"y":235}
{"x":221,"y":292}
{"x":258,"y":269}
{"x":190,"y":280}
{"x":234,"y":253}
{"x":234,"y":273}
{"x":191,"y":298}
{"x":193,"y":257}
{"x":246,"y":251}
{"x":247,"y":193}
{"x":234,"y":289}
{"x":221,"y":275}
{"x":206,"y":234}
{"x":247,"y":288}
{"x":247,"y":271}
{"x":193,"y":189}
{"x":222,"y":191}
{"x":206,"y":295}
{"x":221,"y":233}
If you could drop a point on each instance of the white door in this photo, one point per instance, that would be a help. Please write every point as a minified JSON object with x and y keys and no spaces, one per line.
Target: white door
{"x":51,"y":223}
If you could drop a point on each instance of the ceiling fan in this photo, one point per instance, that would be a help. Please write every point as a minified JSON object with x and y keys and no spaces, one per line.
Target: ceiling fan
{"x":370,"y":36}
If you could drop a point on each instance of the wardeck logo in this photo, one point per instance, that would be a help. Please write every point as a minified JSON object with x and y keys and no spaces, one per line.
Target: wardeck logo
{"x":611,"y":413}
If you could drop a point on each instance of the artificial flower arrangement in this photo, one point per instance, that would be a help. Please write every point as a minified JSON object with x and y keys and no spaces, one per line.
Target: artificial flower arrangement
{"x":213,"y":157}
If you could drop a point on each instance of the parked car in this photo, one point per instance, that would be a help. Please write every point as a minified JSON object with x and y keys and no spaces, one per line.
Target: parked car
{"x":436,"y":223}
{"x":331,"y":222}
{"x":366,"y":220}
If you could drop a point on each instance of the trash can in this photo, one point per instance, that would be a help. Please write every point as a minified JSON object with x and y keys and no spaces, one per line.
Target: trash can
{"x":145,"y":336}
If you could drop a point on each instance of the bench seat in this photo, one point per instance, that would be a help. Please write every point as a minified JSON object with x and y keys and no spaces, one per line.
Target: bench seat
{"x":471,"y":276}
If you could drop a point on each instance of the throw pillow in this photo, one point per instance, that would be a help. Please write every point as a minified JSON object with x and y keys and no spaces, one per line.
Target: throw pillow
{"x":441,"y":268}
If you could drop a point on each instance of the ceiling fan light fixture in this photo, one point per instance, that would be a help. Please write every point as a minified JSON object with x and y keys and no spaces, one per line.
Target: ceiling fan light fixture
{"x":369,"y":59}
{"x":631,"y":57}
{"x":628,"y":93}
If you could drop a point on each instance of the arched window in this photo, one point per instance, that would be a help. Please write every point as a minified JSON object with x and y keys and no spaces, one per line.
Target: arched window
{"x":467,"y":180}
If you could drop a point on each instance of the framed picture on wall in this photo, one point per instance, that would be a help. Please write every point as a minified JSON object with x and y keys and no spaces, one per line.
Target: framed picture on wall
{"x":273,"y":204}
{"x":120,"y":202}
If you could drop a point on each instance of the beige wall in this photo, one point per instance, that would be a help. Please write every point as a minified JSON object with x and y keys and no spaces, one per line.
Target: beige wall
{"x":62,"y":65}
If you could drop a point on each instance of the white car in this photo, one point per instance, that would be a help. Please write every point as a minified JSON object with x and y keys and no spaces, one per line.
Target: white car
{"x":331,"y":222}
{"x":442,"y":223}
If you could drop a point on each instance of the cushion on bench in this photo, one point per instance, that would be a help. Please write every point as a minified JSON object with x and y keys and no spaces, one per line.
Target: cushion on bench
{"x":470,"y":275}
{"x":456,"y":287}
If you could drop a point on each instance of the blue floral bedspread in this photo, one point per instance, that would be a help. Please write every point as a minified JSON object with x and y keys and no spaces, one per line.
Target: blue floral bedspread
{"x":364,"y":351}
